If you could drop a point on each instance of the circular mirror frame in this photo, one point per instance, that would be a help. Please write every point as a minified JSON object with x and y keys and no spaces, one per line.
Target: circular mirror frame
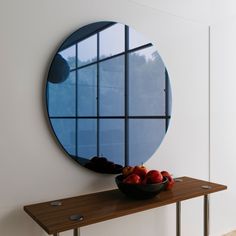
{"x":65,"y":70}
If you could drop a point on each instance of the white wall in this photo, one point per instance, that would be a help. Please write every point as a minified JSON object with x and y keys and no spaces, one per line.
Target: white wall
{"x":191,"y":10}
{"x":34,"y":169}
{"x":223,"y":127}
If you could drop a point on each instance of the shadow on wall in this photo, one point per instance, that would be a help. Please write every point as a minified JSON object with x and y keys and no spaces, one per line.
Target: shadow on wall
{"x":156,"y":219}
{"x":17,"y":222}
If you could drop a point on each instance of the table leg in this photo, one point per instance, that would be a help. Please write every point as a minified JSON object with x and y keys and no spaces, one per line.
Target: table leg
{"x":76,"y":232}
{"x":178,"y":218}
{"x":206,"y":215}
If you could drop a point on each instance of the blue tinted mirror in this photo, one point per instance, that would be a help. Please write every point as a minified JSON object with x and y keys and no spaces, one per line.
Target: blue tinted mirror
{"x":108,"y":97}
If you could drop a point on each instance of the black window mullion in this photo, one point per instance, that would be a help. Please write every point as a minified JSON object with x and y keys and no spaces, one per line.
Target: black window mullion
{"x":87,"y":36}
{"x":126,"y":140}
{"x":166,"y":100}
{"x":113,"y":56}
{"x":111,"y":117}
{"x":98,"y":95}
{"x":76,"y":101}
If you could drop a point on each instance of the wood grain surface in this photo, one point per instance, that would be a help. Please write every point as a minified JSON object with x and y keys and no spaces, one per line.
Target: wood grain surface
{"x":101,"y":206}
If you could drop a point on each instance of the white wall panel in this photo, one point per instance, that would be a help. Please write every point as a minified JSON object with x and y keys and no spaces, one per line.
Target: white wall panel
{"x":34,"y":169}
{"x":223,"y":126}
{"x":191,"y":10}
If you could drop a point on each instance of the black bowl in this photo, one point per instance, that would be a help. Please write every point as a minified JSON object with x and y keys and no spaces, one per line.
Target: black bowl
{"x":140,"y":191}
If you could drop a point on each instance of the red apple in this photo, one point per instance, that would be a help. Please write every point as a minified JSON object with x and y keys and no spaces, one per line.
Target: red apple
{"x":144,"y":181}
{"x":132,"y":179}
{"x":127,"y":170}
{"x":154,"y":176}
{"x":165,"y":173}
{"x":141,"y":171}
{"x":170,"y":183}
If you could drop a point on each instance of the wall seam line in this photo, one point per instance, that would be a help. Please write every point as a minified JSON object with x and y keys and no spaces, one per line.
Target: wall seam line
{"x":209,"y":103}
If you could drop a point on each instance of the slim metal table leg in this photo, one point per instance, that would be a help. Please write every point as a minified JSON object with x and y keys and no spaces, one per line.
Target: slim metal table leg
{"x":76,"y":232}
{"x":178,"y":218}
{"x":206,"y":215}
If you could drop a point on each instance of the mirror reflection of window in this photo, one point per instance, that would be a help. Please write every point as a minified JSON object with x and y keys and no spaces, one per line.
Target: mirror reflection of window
{"x":116,"y":101}
{"x":87,"y":50}
{"x":112,"y":73}
{"x":112,"y":139}
{"x":146,"y":83}
{"x":69,"y":55}
{"x":145,"y":136}
{"x":65,"y":131}
{"x":112,"y":40}
{"x":61,"y":97}
{"x":87,"y":138}
{"x":87,"y":91}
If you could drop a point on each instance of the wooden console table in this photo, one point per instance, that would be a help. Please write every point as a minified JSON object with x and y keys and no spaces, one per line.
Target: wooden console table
{"x":72,"y":213}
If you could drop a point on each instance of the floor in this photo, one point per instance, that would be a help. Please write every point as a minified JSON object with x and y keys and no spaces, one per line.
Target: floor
{"x":233,"y":233}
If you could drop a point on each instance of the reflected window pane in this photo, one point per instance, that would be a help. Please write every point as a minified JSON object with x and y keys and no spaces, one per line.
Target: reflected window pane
{"x":146,"y":83}
{"x":69,"y":55}
{"x":112,"y":87}
{"x":65,"y":132}
{"x":136,"y":39}
{"x":87,"y":91}
{"x":145,"y":136}
{"x":112,"y":140}
{"x":112,"y":40}
{"x":169,"y":98}
{"x":87,"y":50}
{"x":61,"y":97}
{"x":87,"y":138}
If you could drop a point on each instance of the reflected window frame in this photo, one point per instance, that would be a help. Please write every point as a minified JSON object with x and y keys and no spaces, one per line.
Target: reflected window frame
{"x":126,"y":117}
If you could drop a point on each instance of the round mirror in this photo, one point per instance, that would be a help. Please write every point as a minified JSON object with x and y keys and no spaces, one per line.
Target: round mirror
{"x":108,"y":97}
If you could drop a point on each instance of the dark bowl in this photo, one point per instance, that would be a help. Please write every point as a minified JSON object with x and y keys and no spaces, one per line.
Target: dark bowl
{"x":140,"y":191}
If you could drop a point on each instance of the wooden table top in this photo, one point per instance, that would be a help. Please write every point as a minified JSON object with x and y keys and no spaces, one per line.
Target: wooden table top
{"x":101,"y":206}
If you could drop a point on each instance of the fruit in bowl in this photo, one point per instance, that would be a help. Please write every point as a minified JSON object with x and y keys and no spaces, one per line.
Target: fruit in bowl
{"x":132,"y":179}
{"x":171,"y":181}
{"x":140,"y":171}
{"x":154,"y":176}
{"x":137,"y":182}
{"x":139,"y":190}
{"x":127,"y":170}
